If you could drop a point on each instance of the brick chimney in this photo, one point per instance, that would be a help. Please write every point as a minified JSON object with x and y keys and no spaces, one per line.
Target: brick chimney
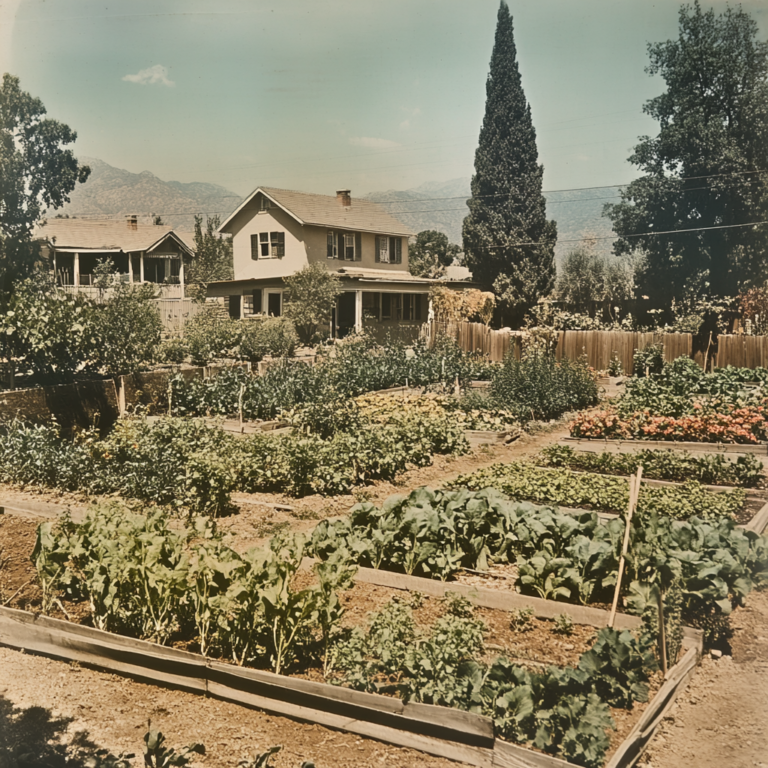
{"x":132,"y":219}
{"x":344,"y":196}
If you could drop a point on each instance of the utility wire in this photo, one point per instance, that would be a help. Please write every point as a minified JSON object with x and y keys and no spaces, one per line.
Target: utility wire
{"x":640,"y":234}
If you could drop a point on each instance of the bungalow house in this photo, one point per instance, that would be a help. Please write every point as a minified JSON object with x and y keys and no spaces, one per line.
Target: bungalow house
{"x":141,"y":253}
{"x":277,"y":232}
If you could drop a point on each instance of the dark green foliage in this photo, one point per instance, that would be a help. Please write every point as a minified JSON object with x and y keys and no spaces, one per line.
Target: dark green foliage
{"x":540,"y":388}
{"x":682,"y":388}
{"x":562,"y":711}
{"x":157,"y":755}
{"x":508,"y":242}
{"x":211,"y":334}
{"x":431,"y":254}
{"x":36,"y":172}
{"x":707,"y":166}
{"x":649,"y":360}
{"x":560,"y":556}
{"x":709,"y":469}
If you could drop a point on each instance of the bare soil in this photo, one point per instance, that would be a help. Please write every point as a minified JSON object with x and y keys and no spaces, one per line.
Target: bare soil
{"x":719,"y":721}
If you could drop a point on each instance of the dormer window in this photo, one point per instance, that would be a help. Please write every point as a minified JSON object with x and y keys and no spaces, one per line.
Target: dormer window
{"x":264,"y":205}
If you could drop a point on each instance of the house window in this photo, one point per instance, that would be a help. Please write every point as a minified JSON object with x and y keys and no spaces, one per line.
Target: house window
{"x":256,"y":302}
{"x":333,"y":245}
{"x":412,"y":306}
{"x":389,"y":250}
{"x":271,"y":245}
{"x":349,"y":247}
{"x":371,"y":305}
{"x":264,"y":205}
{"x":274,"y":304}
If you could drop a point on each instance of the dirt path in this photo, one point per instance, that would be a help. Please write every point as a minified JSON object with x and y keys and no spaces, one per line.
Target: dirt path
{"x":81,"y":705}
{"x":721,"y":719}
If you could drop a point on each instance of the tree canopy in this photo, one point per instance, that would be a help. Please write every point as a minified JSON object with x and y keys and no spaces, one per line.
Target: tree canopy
{"x":311,"y":295}
{"x":431,"y":254}
{"x":213,"y":258}
{"x":35,"y":174}
{"x":707,"y":169}
{"x":508,"y":242}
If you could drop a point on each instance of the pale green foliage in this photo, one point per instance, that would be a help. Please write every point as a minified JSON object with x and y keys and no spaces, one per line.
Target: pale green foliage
{"x":157,"y":755}
{"x":212,"y":260}
{"x":311,"y":295}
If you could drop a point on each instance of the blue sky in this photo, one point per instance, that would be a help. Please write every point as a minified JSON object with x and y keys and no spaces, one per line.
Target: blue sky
{"x":320,"y":95}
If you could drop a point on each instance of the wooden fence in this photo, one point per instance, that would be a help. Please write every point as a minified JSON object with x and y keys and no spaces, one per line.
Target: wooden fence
{"x":174,"y":313}
{"x":742,"y":351}
{"x":599,"y":347}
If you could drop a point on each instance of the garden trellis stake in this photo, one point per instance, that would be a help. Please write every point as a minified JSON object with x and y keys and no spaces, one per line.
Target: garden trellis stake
{"x":634,"y":493}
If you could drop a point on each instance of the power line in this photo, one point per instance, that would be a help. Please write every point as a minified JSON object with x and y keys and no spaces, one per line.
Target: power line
{"x":641,"y":234}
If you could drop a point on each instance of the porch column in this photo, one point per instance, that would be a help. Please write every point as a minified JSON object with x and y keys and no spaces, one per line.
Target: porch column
{"x":181,"y":276}
{"x":76,"y":269}
{"x":358,"y":311}
{"x":141,"y":267}
{"x":55,"y":276}
{"x":130,"y":267}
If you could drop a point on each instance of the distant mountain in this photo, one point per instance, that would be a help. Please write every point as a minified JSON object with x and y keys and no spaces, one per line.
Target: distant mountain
{"x":112,"y":191}
{"x":442,"y":206}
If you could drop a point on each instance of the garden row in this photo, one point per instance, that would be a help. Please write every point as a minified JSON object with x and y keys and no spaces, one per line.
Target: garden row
{"x":535,"y":388}
{"x":143,"y":579}
{"x":713,"y":563}
{"x":681,"y":402}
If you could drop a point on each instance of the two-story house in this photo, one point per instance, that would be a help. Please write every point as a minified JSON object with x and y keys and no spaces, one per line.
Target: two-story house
{"x":277,"y":232}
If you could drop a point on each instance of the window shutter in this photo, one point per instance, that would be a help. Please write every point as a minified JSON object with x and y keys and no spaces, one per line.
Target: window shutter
{"x":358,"y":246}
{"x":377,"y":255}
{"x":254,"y":247}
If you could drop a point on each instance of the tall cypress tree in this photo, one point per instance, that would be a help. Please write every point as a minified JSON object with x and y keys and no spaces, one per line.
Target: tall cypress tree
{"x":508,"y":242}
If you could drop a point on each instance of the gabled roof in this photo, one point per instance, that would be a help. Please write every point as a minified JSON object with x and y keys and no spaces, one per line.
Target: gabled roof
{"x":108,"y":235}
{"x":326,"y":211}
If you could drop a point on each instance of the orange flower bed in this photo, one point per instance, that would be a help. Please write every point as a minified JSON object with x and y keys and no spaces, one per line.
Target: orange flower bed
{"x":740,"y":425}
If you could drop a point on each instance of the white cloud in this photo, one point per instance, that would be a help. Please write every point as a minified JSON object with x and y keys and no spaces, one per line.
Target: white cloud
{"x":367,"y":141}
{"x":157,"y":74}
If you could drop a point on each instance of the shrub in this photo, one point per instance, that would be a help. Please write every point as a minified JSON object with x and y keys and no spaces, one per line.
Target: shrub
{"x":275,"y":336}
{"x":173,"y":350}
{"x":128,"y":328}
{"x":211,"y":334}
{"x":540,"y":388}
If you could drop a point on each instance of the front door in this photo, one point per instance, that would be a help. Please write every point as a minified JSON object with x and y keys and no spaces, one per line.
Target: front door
{"x":345,"y":314}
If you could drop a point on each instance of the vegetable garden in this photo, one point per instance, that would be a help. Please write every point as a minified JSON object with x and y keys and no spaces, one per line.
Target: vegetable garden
{"x":552,"y":522}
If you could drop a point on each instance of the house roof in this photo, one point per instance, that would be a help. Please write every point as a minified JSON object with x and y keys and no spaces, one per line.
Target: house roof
{"x":326,"y":211}
{"x":108,"y":235}
{"x":385,"y":275}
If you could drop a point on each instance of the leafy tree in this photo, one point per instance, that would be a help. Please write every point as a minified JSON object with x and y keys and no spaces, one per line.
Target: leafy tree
{"x":311,"y":296}
{"x":213,"y":258}
{"x":128,"y":328}
{"x":708,"y":166}
{"x":35,"y":173}
{"x":587,"y":281}
{"x":431,"y":254}
{"x":508,"y":242}
{"x":46,"y":333}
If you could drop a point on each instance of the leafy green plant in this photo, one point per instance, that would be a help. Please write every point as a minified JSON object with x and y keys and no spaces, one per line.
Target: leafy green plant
{"x":711,"y":469}
{"x":521,"y":619}
{"x":563,"y":624}
{"x":260,"y":759}
{"x":158,"y":755}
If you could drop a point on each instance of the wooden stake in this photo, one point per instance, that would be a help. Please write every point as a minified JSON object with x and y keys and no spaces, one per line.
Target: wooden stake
{"x":662,"y":633}
{"x":634,"y":494}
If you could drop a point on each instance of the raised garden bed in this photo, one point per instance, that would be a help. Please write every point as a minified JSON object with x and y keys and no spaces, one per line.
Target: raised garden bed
{"x":627,"y":444}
